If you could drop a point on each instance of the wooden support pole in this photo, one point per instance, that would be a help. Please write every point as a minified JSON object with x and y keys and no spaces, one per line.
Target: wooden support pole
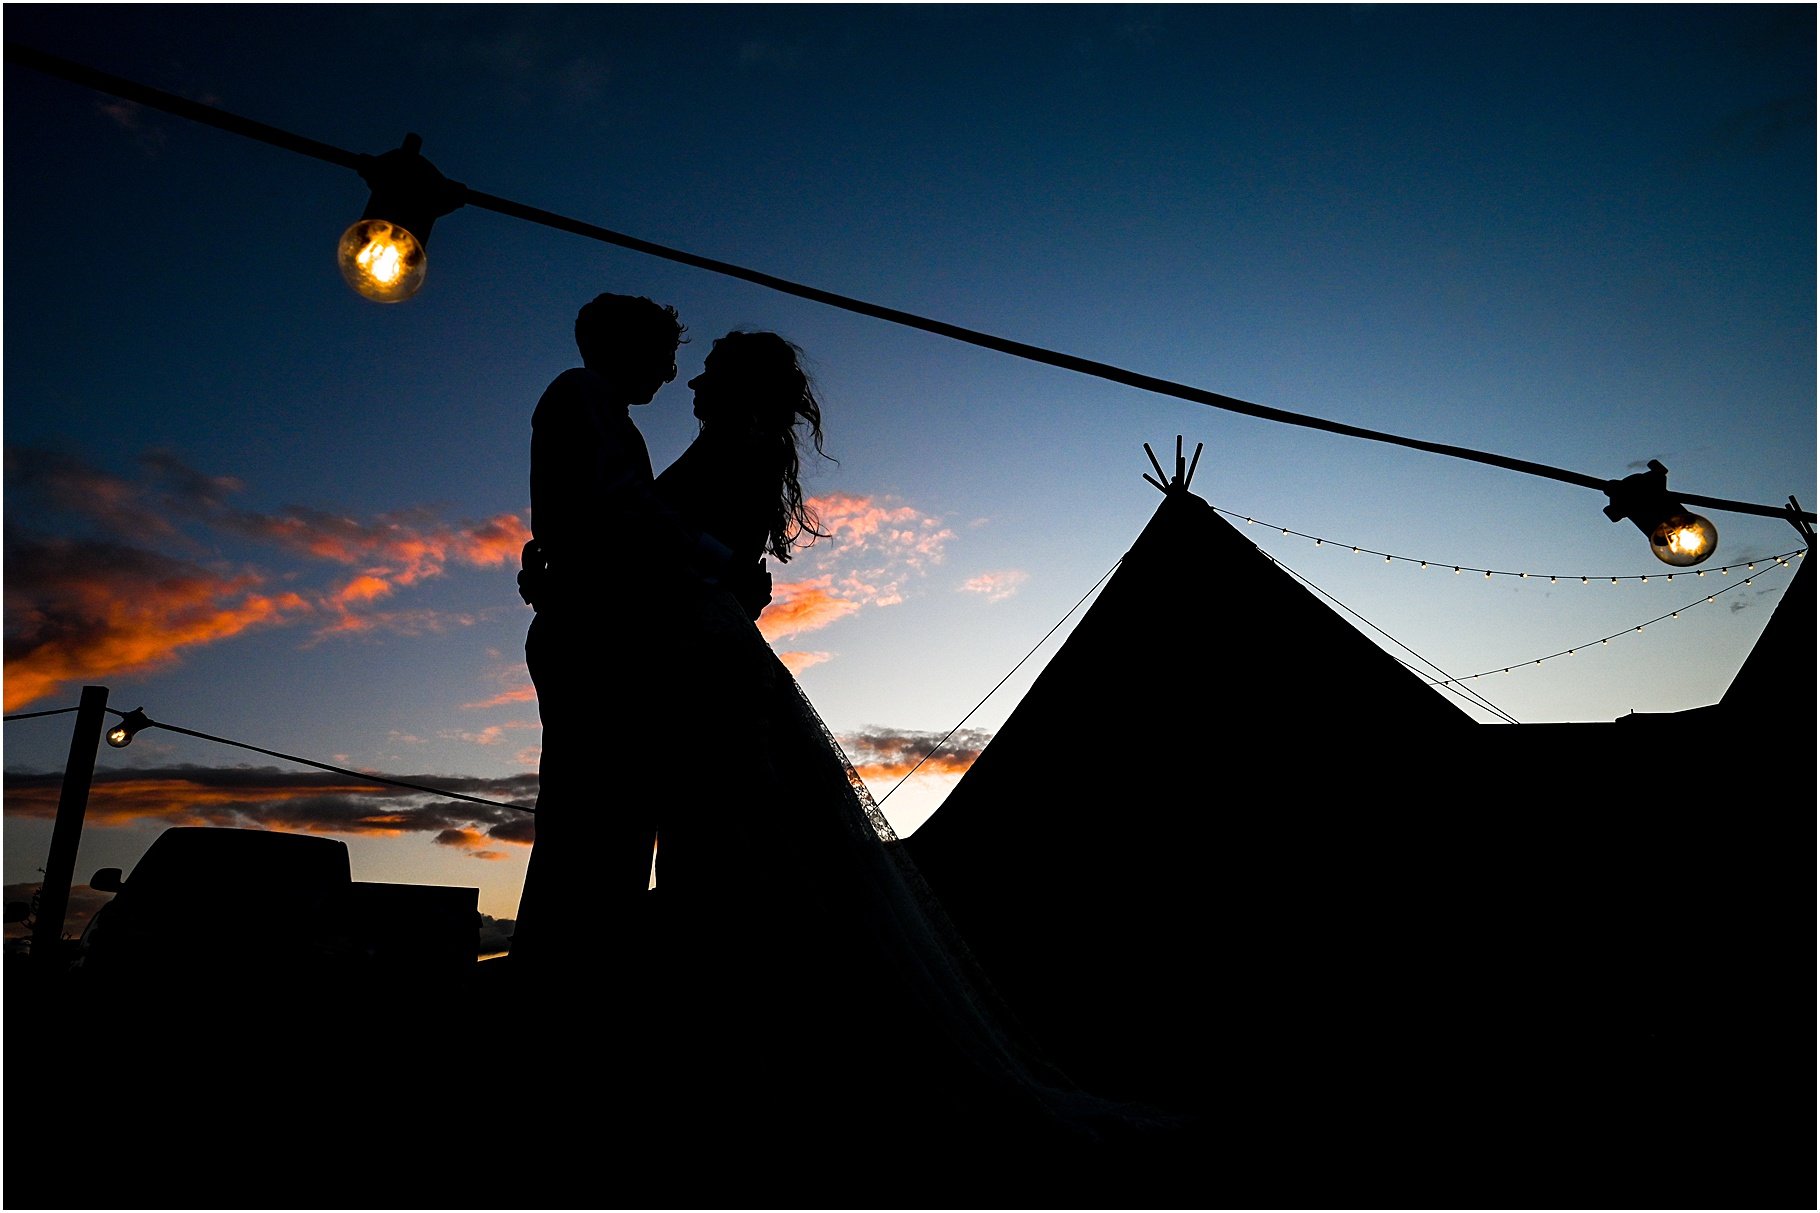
{"x":66,"y":834}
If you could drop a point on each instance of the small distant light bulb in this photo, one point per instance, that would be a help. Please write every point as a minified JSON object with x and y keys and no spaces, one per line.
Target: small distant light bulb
{"x":1683,"y":539}
{"x":118,"y":736}
{"x":382,"y":261}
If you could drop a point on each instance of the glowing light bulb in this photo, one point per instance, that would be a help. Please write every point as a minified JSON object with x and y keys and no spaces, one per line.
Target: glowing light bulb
{"x":121,"y":735}
{"x":382,"y":261}
{"x":383,"y":254}
{"x":1676,"y":536}
{"x":1682,"y":539}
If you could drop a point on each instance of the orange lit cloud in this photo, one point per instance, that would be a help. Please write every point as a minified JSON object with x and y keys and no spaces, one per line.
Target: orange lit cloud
{"x":521,"y":694}
{"x":803,"y":606}
{"x":866,"y":528}
{"x":473,"y":842}
{"x":511,"y":678}
{"x":996,"y":586}
{"x":852,"y":519}
{"x":493,"y":734}
{"x":364,"y":588}
{"x":797,"y":661}
{"x":92,"y":608}
{"x":82,"y":611}
{"x":873,"y":552}
{"x":392,"y":623}
{"x":400,"y":548}
{"x":306,"y":802}
{"x":880,"y":754}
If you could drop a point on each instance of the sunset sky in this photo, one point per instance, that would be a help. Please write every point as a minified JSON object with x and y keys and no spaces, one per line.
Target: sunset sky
{"x":265,"y":509}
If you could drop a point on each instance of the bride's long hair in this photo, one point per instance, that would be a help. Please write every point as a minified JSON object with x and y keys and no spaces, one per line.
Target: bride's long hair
{"x":778,"y":400}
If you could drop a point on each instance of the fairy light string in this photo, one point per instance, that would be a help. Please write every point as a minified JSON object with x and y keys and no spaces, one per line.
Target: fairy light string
{"x":1455,"y":684}
{"x":1448,"y":566}
{"x":1632,"y":630}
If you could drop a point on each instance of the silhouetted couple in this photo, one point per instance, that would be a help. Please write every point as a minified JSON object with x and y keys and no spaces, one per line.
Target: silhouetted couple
{"x":789,"y":955}
{"x":627,"y":575}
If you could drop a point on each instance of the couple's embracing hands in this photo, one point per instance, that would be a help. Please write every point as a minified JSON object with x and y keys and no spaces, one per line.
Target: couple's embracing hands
{"x":750,"y":584}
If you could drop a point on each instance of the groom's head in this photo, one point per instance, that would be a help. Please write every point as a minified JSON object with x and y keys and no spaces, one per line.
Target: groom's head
{"x":630,"y":342}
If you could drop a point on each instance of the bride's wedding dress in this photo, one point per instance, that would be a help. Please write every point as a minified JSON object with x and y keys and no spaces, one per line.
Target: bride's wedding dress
{"x":803,"y":958}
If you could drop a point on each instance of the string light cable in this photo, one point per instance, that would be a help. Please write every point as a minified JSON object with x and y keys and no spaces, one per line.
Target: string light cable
{"x":933,"y":750}
{"x":31,"y":715}
{"x":118,"y":86}
{"x":363,"y":776}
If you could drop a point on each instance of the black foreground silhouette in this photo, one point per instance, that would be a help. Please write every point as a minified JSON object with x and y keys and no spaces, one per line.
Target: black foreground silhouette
{"x":1503,"y":998}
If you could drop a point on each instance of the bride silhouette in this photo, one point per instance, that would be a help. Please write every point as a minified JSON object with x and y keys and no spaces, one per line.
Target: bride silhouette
{"x":805,"y":963}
